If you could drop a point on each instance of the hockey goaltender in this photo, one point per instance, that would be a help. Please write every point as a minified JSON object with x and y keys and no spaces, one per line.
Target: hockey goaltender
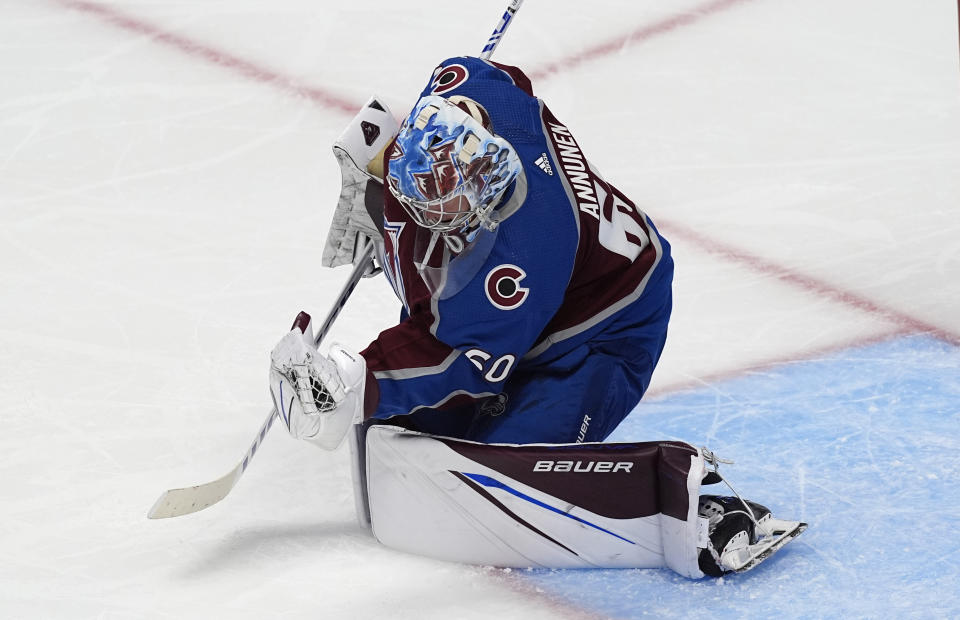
{"x":536,"y":297}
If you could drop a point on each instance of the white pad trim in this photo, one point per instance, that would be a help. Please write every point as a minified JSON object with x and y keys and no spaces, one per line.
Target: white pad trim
{"x":682,"y":540}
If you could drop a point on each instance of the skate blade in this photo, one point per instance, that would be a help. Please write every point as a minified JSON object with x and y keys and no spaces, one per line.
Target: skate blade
{"x":776,"y":533}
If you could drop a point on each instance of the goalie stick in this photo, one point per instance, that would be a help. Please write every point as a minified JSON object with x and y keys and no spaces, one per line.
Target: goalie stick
{"x":501,"y":28}
{"x":178,"y":502}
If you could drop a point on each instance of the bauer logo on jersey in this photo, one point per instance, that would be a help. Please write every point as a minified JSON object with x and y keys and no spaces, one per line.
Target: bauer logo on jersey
{"x":447,"y":78}
{"x":503,"y":287}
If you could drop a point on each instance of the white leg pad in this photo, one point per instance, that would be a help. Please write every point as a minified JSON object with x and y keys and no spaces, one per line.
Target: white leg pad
{"x":555,"y":506}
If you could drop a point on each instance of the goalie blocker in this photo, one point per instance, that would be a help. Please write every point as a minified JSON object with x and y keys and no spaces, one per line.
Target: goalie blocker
{"x":603,"y":505}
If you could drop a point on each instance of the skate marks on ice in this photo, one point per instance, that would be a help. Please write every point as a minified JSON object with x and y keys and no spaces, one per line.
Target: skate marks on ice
{"x":859,"y":444}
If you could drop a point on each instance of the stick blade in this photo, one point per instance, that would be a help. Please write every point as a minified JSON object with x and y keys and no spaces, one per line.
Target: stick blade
{"x":179,"y":502}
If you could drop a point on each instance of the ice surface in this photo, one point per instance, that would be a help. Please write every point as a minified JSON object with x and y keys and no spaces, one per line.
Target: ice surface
{"x":165,"y":187}
{"x":860,"y":444}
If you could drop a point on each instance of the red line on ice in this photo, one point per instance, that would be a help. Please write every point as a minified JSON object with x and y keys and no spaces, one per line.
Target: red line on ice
{"x":329,"y":100}
{"x":773,"y":363}
{"x":614,"y":45}
{"x":670,"y":24}
{"x":213,"y":55}
{"x":807,"y":283}
{"x":639,"y":35}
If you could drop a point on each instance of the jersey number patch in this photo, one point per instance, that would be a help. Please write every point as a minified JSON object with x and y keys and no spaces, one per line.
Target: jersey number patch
{"x":621,"y":229}
{"x":495,"y":372}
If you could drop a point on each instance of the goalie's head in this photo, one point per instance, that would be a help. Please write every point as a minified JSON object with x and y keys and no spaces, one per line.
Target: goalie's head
{"x":447,"y":168}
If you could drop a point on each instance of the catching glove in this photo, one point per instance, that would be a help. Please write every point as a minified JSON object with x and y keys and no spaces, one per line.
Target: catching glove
{"x":317,"y":396}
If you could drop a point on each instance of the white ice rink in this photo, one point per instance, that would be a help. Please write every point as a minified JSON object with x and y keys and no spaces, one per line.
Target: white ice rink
{"x":166,"y":183}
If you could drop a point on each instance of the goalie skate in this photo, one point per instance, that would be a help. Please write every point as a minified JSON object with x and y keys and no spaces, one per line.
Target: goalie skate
{"x":773,"y":535}
{"x":742,"y":534}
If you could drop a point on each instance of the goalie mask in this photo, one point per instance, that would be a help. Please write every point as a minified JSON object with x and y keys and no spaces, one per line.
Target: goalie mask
{"x":447,"y":168}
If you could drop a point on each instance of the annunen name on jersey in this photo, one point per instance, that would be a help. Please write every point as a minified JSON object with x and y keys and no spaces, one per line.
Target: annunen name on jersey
{"x":597,"y":467}
{"x":575,"y":167}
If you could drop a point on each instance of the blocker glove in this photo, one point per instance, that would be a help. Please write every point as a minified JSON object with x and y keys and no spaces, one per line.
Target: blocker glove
{"x":317,"y":396}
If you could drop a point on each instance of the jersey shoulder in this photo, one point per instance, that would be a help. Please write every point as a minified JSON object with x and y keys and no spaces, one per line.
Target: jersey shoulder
{"x":454,"y":73}
{"x":502,"y":91}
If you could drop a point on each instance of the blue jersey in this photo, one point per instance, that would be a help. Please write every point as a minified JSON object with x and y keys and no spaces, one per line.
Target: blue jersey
{"x":570,"y":256}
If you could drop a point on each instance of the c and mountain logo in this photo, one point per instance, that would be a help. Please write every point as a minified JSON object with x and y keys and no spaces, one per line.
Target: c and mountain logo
{"x":503,"y":287}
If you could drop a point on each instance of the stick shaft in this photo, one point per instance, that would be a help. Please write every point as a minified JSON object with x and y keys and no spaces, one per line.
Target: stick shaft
{"x":359,"y":268}
{"x":501,"y":28}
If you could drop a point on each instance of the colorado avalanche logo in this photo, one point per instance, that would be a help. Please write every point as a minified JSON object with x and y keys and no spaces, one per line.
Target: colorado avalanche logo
{"x":447,"y":78}
{"x":503,"y":287}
